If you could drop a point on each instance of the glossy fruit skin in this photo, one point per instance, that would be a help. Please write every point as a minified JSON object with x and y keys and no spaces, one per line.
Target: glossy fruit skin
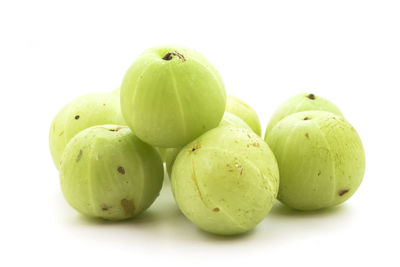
{"x":226,"y":180}
{"x":320,"y":157}
{"x":168,"y":103}
{"x":298,"y":103}
{"x":227,"y":120}
{"x":107,"y":172}
{"x":81,"y":113}
{"x":239,"y":108}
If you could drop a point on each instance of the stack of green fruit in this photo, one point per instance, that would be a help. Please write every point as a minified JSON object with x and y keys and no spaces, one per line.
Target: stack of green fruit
{"x":172,"y":108}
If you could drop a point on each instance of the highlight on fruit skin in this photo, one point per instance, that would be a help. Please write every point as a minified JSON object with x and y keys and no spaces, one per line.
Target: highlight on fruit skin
{"x":107,"y":172}
{"x":298,"y":103}
{"x":81,"y":113}
{"x":239,"y":108}
{"x":226,"y":180}
{"x":321,"y":159}
{"x":171,"y":95}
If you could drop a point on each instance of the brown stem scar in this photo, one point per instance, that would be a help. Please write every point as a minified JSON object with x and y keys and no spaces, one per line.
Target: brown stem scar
{"x":77,"y":117}
{"x":306,"y":118}
{"x":121,"y":170}
{"x":169,"y":55}
{"x":311,"y":96}
{"x":342,"y":192}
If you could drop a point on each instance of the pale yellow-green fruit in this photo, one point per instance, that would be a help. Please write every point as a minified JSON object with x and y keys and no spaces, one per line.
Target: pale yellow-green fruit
{"x":81,"y":113}
{"x":169,"y":154}
{"x":298,"y":103}
{"x":321,"y":159}
{"x":226,"y":180}
{"x":171,"y":95}
{"x":107,"y":172}
{"x":245,"y":112}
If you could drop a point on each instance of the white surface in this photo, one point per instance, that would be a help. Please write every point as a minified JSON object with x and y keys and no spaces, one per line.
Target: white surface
{"x":346,"y":51}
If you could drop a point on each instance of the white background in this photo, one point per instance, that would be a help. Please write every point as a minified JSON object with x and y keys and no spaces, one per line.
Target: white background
{"x":266,"y":51}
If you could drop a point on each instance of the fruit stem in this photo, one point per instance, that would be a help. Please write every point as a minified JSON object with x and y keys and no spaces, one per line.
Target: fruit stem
{"x":169,"y":55}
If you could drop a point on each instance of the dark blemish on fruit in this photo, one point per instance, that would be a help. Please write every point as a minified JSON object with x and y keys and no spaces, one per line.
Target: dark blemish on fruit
{"x":195,"y":148}
{"x":77,"y":117}
{"x":128,"y":206}
{"x":307,"y":135}
{"x":342,"y":192}
{"x":104,"y":104}
{"x":248,"y":136}
{"x":169,"y":55}
{"x":215,"y":209}
{"x":306,"y":118}
{"x":121,"y":170}
{"x":255,"y":144}
{"x":311,"y":96}
{"x":61,"y":133}
{"x":319,"y":173}
{"x":78,"y":158}
{"x":105,"y":207}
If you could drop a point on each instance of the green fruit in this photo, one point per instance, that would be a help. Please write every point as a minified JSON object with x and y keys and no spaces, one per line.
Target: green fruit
{"x":107,"y":172}
{"x":227,"y":120}
{"x":171,"y":95}
{"x":298,"y":103}
{"x":320,"y":158}
{"x":233,"y":120}
{"x":245,"y":112}
{"x":226,"y":180}
{"x":81,"y":113}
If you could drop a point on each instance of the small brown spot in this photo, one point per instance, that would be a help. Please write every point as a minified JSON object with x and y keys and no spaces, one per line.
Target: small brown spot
{"x":342,"y":192}
{"x":215,"y":209}
{"x":121,"y":170}
{"x":77,"y":117}
{"x":195,"y":148}
{"x":311,"y":96}
{"x":319,"y":173}
{"x":248,"y":135}
{"x":128,"y":206}
{"x":307,"y":135}
{"x":306,"y":118}
{"x":54,"y":127}
{"x":60,"y":134}
{"x":104,"y":104}
{"x":78,"y":158}
{"x":104,"y":207}
{"x":255,"y":144}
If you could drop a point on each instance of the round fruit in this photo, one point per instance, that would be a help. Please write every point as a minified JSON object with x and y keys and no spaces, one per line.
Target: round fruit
{"x":298,"y":103}
{"x":226,"y":180}
{"x":171,"y":95}
{"x":245,"y":112}
{"x":320,"y":157}
{"x":81,"y":113}
{"x":228,"y":119}
{"x":107,"y":172}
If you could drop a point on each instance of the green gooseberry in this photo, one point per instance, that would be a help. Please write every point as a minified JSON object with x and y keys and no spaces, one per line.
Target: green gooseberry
{"x":171,"y":95}
{"x":226,"y":180}
{"x":107,"y":172}
{"x":227,"y":120}
{"x":81,"y":113}
{"x":239,"y":108}
{"x":298,"y":103}
{"x":320,"y":157}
